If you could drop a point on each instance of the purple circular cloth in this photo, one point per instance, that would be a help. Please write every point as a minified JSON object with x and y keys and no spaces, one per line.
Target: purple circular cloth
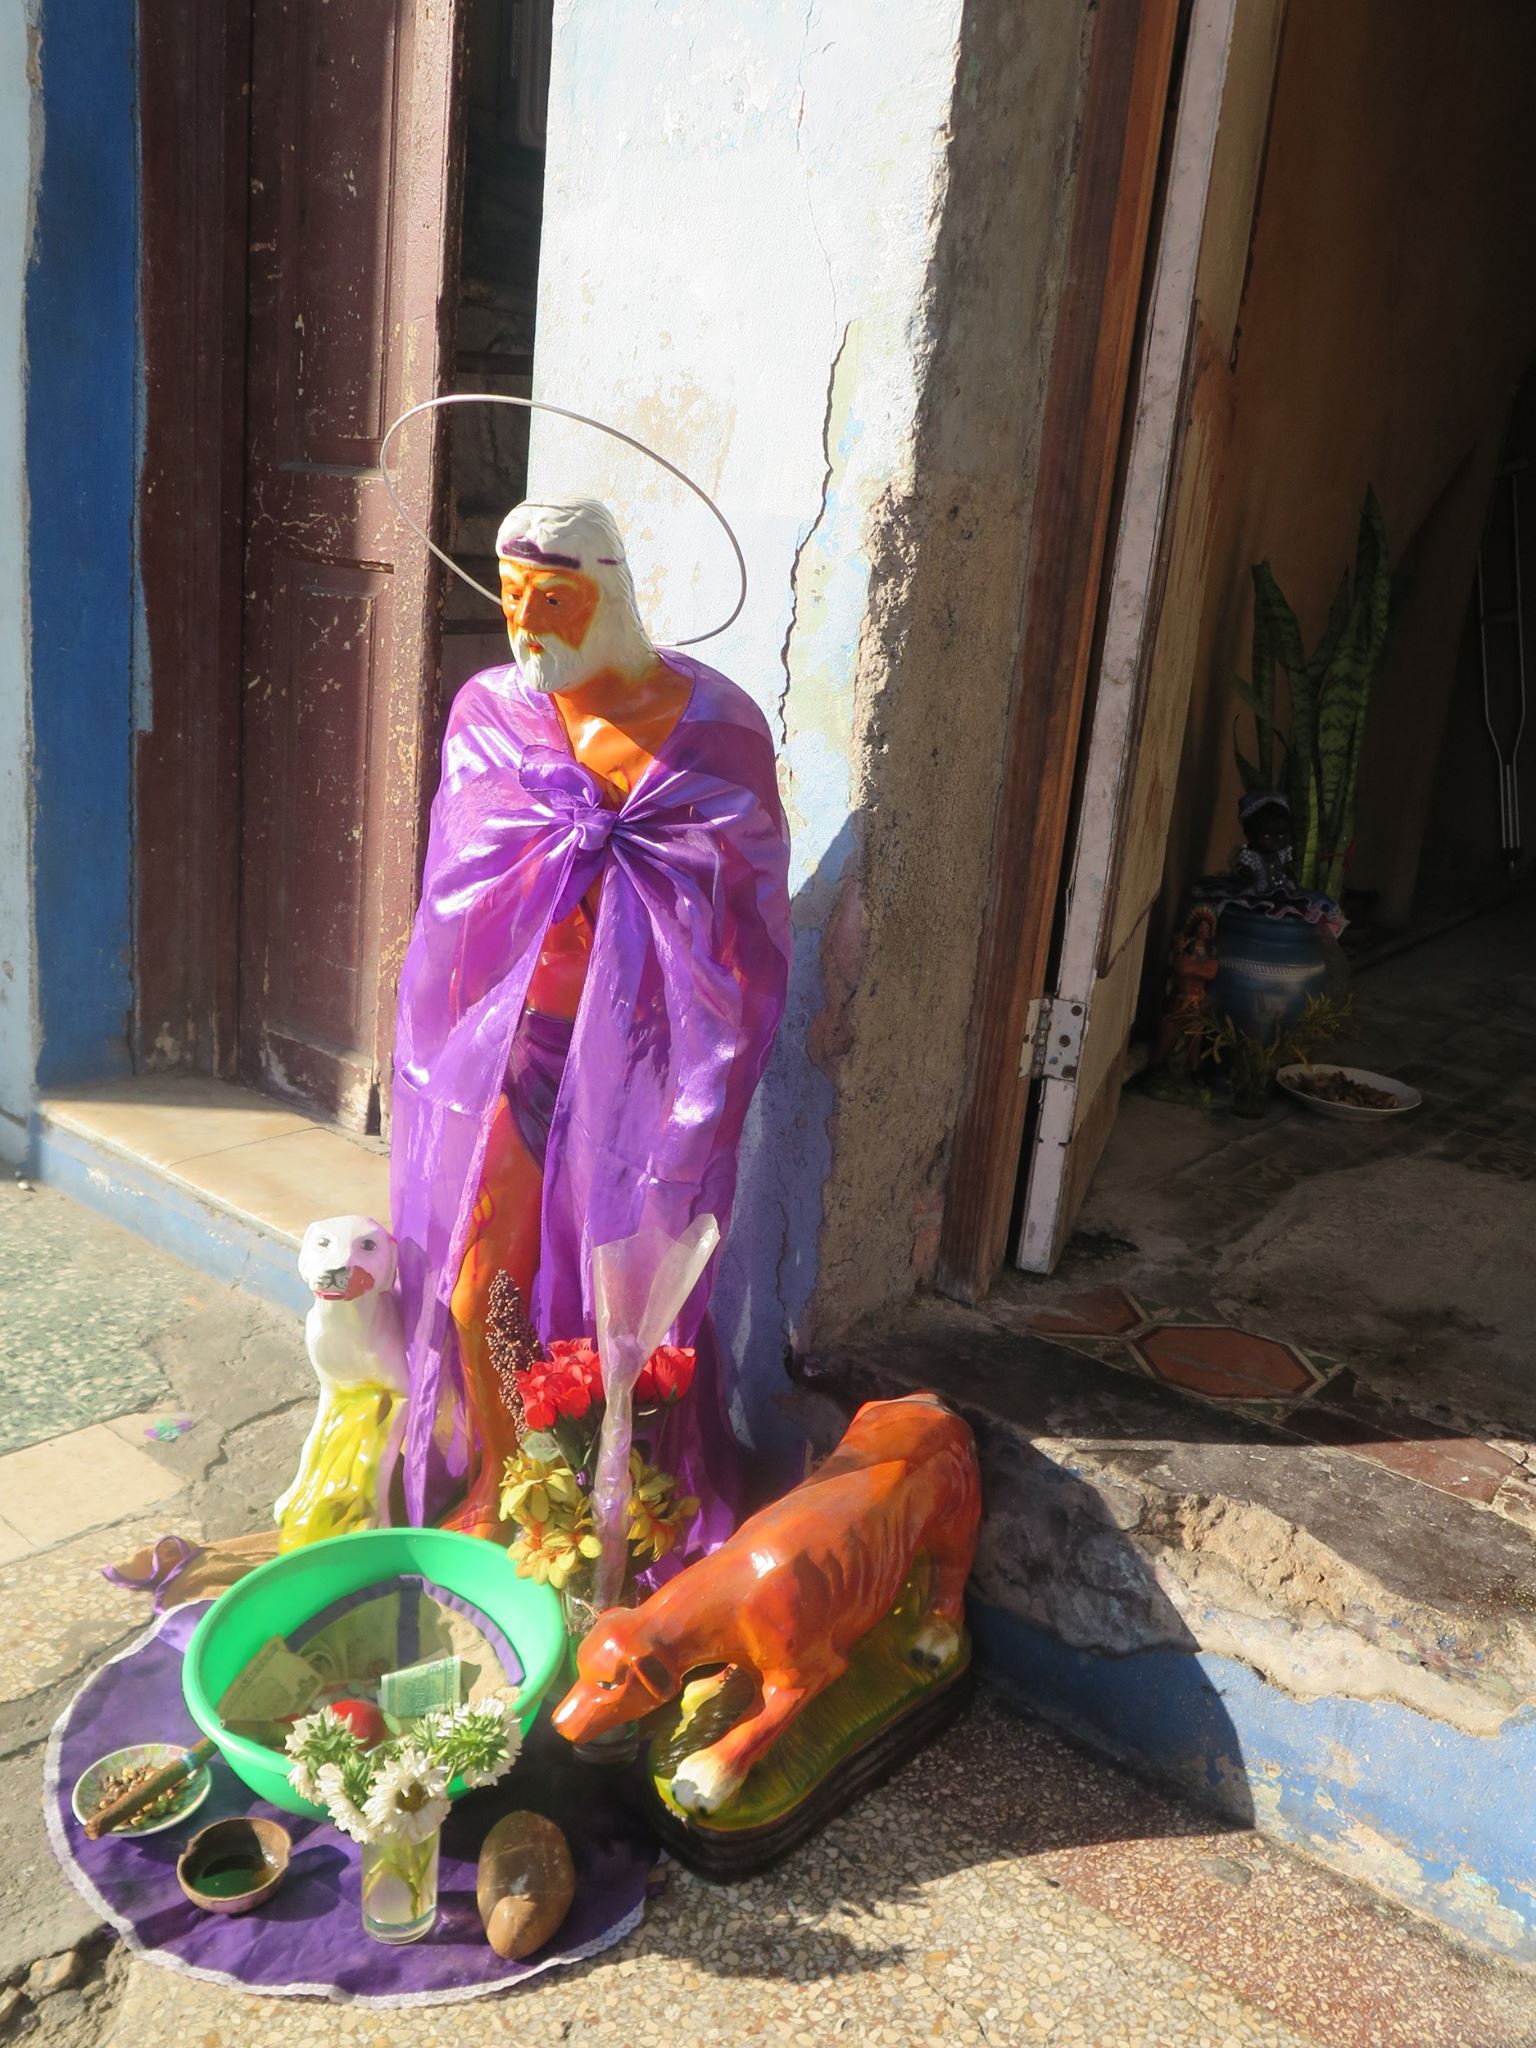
{"x":308,"y":1939}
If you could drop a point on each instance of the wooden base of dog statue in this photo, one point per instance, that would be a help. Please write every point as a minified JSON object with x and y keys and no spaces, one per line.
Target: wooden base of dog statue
{"x":807,"y":1656}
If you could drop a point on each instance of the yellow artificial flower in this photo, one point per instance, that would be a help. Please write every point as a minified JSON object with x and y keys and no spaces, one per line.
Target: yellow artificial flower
{"x":549,"y":1554}
{"x":534,"y":1493}
{"x":656,"y":1513}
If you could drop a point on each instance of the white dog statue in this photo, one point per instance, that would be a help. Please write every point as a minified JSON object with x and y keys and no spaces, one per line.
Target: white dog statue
{"x":357,"y":1347}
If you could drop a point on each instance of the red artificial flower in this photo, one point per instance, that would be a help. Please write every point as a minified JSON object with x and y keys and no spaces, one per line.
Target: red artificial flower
{"x":576,"y":1376}
{"x":666,"y":1375}
{"x":538,"y":1409}
{"x":568,"y":1383}
{"x":573,"y":1397}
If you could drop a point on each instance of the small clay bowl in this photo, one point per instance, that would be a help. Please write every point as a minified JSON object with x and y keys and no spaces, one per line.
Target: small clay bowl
{"x":218,"y":1856}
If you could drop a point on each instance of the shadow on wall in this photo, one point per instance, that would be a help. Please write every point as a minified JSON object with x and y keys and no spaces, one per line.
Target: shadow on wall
{"x":769,"y":1264}
{"x":1099,"y":1649}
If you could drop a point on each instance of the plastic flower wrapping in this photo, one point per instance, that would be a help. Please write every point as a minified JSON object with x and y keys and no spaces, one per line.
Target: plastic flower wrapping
{"x":397,"y":1792}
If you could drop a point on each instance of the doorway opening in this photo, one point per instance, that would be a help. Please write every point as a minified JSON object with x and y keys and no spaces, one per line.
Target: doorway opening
{"x":1359,"y":1285}
{"x":506,"y":94}
{"x":341,"y":217}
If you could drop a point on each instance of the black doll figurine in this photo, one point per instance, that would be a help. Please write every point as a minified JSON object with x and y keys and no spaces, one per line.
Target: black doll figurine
{"x":1261,"y":876}
{"x":1265,"y":859}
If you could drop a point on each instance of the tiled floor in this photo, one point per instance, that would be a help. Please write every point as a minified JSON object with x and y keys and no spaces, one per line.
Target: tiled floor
{"x":75,"y":1304}
{"x":85,"y":1396}
{"x":43,"y":1497}
{"x":172,"y":1118}
{"x":65,"y":1358}
{"x":1397,"y":1331}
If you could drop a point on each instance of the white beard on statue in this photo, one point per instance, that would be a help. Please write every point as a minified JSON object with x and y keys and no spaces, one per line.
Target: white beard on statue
{"x":611,"y":642}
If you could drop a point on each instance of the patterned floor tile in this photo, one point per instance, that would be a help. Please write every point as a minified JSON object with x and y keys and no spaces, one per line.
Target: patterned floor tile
{"x":45,"y":1501}
{"x":1225,"y":1363}
{"x":1101,"y":1312}
{"x":1350,"y":1415}
{"x":1459,"y":1465}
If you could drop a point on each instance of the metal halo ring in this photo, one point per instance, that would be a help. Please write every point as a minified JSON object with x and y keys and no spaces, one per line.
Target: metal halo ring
{"x":583,"y":419}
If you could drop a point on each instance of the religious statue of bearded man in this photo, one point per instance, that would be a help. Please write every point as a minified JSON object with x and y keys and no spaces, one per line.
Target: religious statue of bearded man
{"x":597,"y":969}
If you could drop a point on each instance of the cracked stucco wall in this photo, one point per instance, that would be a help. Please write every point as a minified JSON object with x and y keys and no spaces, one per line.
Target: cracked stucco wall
{"x":937,"y":658}
{"x":810,"y":253}
{"x":17,"y":1024}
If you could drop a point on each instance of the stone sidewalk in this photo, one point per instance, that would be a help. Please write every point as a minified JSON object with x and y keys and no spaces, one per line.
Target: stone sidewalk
{"x":1004,"y":1888}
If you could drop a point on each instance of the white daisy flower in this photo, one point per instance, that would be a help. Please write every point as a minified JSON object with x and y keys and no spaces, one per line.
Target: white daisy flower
{"x":301,"y":1731}
{"x":408,"y":1797}
{"x":302,"y":1779}
{"x":351,"y":1819}
{"x":492,"y":1721}
{"x":474,"y":1778}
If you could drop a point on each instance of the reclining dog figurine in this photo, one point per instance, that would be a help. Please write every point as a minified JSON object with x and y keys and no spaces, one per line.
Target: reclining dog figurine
{"x":357,"y":1348}
{"x":792,"y":1592}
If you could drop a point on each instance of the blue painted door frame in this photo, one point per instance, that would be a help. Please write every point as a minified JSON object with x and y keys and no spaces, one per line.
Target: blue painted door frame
{"x":82,"y":463}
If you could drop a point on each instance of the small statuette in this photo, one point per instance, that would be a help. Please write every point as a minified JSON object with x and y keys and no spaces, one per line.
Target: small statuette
{"x":357,"y":1347}
{"x":790,"y":1597}
{"x":524,"y":1884}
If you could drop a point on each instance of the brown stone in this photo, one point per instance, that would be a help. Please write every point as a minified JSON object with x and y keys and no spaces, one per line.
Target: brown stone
{"x":53,"y":1973}
{"x":524,"y":1883}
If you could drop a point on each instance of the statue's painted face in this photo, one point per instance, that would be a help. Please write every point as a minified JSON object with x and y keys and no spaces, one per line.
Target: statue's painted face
{"x":549,"y":612}
{"x":1269,"y":829}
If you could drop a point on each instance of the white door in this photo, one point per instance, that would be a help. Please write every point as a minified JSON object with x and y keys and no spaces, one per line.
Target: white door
{"x":1154,"y":597}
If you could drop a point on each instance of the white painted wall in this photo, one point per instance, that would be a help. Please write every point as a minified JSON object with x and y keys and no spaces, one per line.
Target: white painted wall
{"x":738,"y":223}
{"x":740,"y":208}
{"x":17,"y":1027}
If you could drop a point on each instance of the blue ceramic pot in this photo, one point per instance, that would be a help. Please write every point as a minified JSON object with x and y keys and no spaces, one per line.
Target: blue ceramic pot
{"x":1270,"y":969}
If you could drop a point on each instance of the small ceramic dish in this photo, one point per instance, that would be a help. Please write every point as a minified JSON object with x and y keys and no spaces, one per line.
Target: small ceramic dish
{"x":1404,"y":1098}
{"x":235,"y":1864}
{"x":190,"y":1794}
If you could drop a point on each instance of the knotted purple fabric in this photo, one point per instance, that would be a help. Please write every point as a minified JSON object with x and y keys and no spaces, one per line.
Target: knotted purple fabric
{"x":684,"y":990}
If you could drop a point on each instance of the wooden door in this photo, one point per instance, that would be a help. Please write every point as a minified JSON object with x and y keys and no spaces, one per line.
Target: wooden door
{"x":1156,"y":585}
{"x":353,"y":241}
{"x":1114,"y":177}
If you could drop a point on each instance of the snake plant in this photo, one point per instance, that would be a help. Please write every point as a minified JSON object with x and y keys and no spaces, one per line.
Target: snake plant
{"x":1329,"y":691}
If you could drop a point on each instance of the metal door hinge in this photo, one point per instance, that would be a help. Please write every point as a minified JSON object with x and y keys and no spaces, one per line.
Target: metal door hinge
{"x":1053,"y":1038}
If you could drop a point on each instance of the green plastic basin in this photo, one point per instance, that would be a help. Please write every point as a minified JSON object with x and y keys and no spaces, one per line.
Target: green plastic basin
{"x":278,"y":1597}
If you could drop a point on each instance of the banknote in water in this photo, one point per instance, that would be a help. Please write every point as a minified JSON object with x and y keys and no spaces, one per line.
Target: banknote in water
{"x":276,"y":1682}
{"x":421,"y":1688}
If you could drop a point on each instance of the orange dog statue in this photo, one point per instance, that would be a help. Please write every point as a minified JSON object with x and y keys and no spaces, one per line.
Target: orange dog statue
{"x":794,"y":1589}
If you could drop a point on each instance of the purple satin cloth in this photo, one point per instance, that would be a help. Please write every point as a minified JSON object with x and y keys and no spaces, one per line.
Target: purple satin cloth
{"x":308,"y":1937}
{"x":535,"y":1069}
{"x":684,"y":990}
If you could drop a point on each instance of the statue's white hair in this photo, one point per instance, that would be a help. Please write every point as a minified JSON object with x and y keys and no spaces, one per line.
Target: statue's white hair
{"x":580,"y":533}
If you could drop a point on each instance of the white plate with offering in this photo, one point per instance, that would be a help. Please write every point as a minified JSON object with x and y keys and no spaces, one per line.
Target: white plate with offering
{"x":1353,"y":1094}
{"x":110,"y":1776}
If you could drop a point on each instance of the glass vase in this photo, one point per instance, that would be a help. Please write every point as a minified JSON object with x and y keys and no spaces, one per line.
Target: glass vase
{"x":400,"y":1887}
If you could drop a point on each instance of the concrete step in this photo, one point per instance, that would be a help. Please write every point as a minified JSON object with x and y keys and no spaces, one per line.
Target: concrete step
{"x":1300,"y":1638}
{"x":217,"y":1175}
